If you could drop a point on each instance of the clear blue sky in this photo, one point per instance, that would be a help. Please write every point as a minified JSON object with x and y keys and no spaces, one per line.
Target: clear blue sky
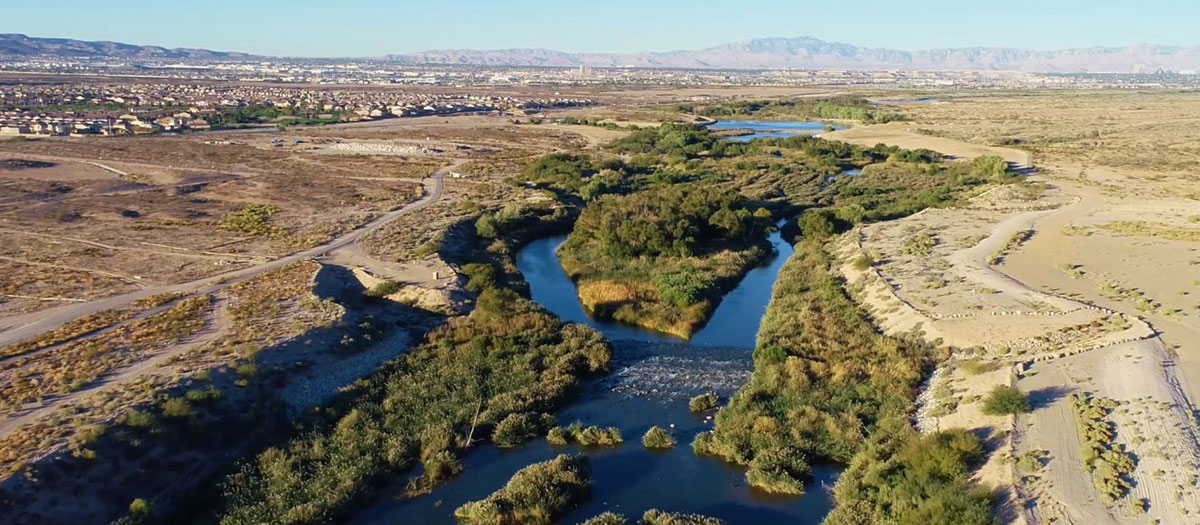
{"x":375,"y":27}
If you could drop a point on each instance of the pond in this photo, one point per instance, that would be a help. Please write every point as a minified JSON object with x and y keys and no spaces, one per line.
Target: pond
{"x":653,"y":377}
{"x":762,"y":129}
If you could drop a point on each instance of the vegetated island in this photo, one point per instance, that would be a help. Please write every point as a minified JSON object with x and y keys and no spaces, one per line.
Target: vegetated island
{"x":662,"y":258}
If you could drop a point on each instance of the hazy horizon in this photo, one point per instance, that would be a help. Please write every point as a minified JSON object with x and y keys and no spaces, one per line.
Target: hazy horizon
{"x":314,"y":29}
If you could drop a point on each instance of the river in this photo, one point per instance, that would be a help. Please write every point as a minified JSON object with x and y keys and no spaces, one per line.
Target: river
{"x":653,"y":376}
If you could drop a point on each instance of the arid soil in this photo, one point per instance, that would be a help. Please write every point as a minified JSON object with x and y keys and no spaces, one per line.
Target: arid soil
{"x":1084,"y":288}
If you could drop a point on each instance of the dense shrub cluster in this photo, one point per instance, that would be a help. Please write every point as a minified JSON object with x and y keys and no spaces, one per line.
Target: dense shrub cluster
{"x":829,"y":108}
{"x":675,"y":221}
{"x":592,"y":436}
{"x":1106,"y":460}
{"x":703,"y":403}
{"x":823,"y":378}
{"x":251,"y":219}
{"x":675,"y":141}
{"x":661,"y":257}
{"x":560,"y":171}
{"x":657,"y":438}
{"x":654,"y":517}
{"x":536,"y":495}
{"x":472,"y":376}
{"x":903,"y":477}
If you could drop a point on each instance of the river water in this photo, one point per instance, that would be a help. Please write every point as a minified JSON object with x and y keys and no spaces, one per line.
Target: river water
{"x":653,"y":376}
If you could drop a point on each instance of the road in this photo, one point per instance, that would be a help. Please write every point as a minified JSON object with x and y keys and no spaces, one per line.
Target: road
{"x":18,"y":328}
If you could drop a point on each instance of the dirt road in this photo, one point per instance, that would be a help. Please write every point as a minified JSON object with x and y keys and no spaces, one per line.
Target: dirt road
{"x":21,"y":327}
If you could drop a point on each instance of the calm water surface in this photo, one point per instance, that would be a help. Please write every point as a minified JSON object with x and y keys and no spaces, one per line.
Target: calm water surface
{"x":653,"y":376}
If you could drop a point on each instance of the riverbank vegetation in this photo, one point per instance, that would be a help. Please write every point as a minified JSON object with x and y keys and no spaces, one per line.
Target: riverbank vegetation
{"x":536,"y":495}
{"x":825,"y":380}
{"x":422,"y":411}
{"x":844,"y":107}
{"x":592,"y":436}
{"x":657,"y":438}
{"x":901,"y":476}
{"x":654,"y":517}
{"x":662,"y":258}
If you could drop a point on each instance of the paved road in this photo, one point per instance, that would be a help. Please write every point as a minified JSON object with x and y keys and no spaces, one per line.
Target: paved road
{"x":21,"y":327}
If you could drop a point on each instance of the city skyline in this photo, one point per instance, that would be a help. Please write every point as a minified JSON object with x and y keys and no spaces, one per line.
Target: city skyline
{"x":613,"y":27}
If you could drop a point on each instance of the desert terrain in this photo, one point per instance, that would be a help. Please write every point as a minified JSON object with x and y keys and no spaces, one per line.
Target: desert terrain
{"x":1082,"y":290}
{"x":160,"y":273}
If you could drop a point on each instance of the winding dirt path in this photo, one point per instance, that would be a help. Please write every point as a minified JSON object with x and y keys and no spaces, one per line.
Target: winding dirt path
{"x":215,"y":324}
{"x":21,"y":327}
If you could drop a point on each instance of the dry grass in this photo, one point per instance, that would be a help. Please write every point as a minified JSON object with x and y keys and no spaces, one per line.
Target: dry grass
{"x":70,"y":330}
{"x":76,"y":365}
{"x":1151,"y":229}
{"x":271,"y":308}
{"x":1139,"y":130}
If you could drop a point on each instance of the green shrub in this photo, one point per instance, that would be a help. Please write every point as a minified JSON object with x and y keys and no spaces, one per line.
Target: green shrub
{"x":703,"y":403}
{"x":1005,"y":400}
{"x":900,"y":476}
{"x":863,"y":262}
{"x":417,"y":409}
{"x":681,"y":288}
{"x":137,"y":419}
{"x":536,"y":495}
{"x":176,"y":408}
{"x":587,"y":436}
{"x":519,"y":427}
{"x":920,"y":244}
{"x":251,"y":219}
{"x":658,"y":517}
{"x":203,"y":395}
{"x":657,"y":438}
{"x":1030,"y":463}
{"x":480,"y":276}
{"x":608,"y":518}
{"x":246,"y":369}
{"x":487,"y":226}
{"x":382,"y":290}
{"x":778,"y":471}
{"x":557,"y":436}
{"x":140,"y":509}
{"x":823,"y":375}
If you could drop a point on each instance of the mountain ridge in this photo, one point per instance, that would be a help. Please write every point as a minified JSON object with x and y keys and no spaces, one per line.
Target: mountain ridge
{"x":760,"y":53}
{"x":17,"y":44}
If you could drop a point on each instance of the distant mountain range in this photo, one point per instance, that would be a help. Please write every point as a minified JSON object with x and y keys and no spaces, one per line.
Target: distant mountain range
{"x":762,"y":53}
{"x":811,"y":53}
{"x":20,"y":45}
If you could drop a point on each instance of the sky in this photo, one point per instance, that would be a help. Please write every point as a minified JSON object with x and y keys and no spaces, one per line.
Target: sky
{"x":362,"y":28}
